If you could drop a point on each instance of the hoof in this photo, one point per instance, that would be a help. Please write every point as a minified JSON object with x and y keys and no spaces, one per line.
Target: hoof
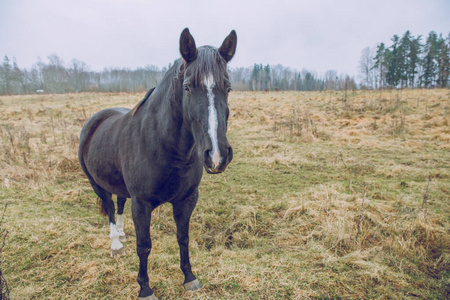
{"x":151,"y":297}
{"x":194,"y":285}
{"x":118,"y":252}
{"x":123,"y":238}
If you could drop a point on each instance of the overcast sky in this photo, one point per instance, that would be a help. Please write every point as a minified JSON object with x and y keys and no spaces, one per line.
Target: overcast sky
{"x":316,"y":35}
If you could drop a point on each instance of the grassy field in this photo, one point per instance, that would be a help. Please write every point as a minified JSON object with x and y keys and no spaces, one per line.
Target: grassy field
{"x":328,"y":196}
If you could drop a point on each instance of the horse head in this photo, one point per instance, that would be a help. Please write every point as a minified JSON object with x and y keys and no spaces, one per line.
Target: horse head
{"x":206,"y":86}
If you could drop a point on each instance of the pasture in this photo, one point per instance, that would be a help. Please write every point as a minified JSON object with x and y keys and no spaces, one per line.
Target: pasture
{"x":329,"y":195}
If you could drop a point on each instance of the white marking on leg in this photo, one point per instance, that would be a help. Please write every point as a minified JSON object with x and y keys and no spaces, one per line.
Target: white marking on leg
{"x":119,"y":225}
{"x":209,"y":83}
{"x":114,"y":235}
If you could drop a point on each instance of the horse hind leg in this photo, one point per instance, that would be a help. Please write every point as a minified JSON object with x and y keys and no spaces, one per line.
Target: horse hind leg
{"x":119,"y":224}
{"x":108,"y":205}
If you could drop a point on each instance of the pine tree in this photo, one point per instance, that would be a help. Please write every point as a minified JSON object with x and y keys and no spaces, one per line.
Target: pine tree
{"x":6,"y":76}
{"x":428,"y":62}
{"x":413,"y":59}
{"x":267,"y":79}
{"x":404,"y":49}
{"x":18,"y":79}
{"x":380,"y":64}
{"x":443,"y":62}
{"x":254,"y":80}
{"x":393,"y":59}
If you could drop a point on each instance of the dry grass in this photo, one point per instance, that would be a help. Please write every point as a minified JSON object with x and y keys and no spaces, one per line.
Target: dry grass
{"x":325,"y":199}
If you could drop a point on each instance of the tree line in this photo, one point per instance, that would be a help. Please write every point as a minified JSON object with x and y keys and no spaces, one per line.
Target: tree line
{"x":278,"y":77}
{"x":407,"y":62}
{"x":54,"y":76}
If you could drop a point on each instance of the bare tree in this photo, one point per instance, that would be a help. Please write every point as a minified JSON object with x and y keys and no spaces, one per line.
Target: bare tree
{"x":330,"y":80}
{"x":366,"y":65}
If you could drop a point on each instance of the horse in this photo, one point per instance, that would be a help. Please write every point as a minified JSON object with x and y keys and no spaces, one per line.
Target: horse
{"x":155,"y":153}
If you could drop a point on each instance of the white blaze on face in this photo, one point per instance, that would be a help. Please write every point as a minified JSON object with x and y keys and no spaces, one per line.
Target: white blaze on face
{"x":209,"y":83}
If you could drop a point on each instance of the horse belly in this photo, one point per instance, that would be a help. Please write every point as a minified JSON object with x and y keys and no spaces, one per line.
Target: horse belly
{"x":112,"y":181}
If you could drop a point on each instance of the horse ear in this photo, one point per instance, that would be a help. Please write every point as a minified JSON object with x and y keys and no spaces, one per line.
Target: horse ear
{"x":228,"y":48}
{"x":188,"y":49}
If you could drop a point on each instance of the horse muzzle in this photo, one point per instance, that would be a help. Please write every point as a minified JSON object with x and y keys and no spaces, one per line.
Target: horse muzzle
{"x":215,"y":163}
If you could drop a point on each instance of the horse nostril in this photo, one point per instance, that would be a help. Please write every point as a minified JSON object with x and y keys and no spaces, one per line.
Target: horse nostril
{"x":230,"y":151}
{"x":208,"y":156}
{"x":229,"y":154}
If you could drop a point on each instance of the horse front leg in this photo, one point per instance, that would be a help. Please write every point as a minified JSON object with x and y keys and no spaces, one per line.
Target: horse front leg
{"x":182,"y":212}
{"x":142,"y":212}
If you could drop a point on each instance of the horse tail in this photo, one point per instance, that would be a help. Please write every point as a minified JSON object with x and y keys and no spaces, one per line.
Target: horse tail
{"x":102,"y":206}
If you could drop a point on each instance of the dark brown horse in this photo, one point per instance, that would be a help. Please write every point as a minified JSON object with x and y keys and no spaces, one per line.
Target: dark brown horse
{"x":156,"y":152}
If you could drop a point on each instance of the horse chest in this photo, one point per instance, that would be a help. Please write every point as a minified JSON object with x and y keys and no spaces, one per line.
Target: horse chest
{"x":178,"y":185}
{"x":167,"y":184}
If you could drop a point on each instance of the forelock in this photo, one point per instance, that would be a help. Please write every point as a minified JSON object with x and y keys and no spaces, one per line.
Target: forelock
{"x":209,"y":62}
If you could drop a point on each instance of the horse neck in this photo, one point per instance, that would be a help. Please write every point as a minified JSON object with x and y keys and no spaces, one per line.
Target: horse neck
{"x":165,"y":106}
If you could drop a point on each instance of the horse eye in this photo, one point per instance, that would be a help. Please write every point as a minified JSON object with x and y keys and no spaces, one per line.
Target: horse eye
{"x":186,"y":88}
{"x":229,"y":90}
